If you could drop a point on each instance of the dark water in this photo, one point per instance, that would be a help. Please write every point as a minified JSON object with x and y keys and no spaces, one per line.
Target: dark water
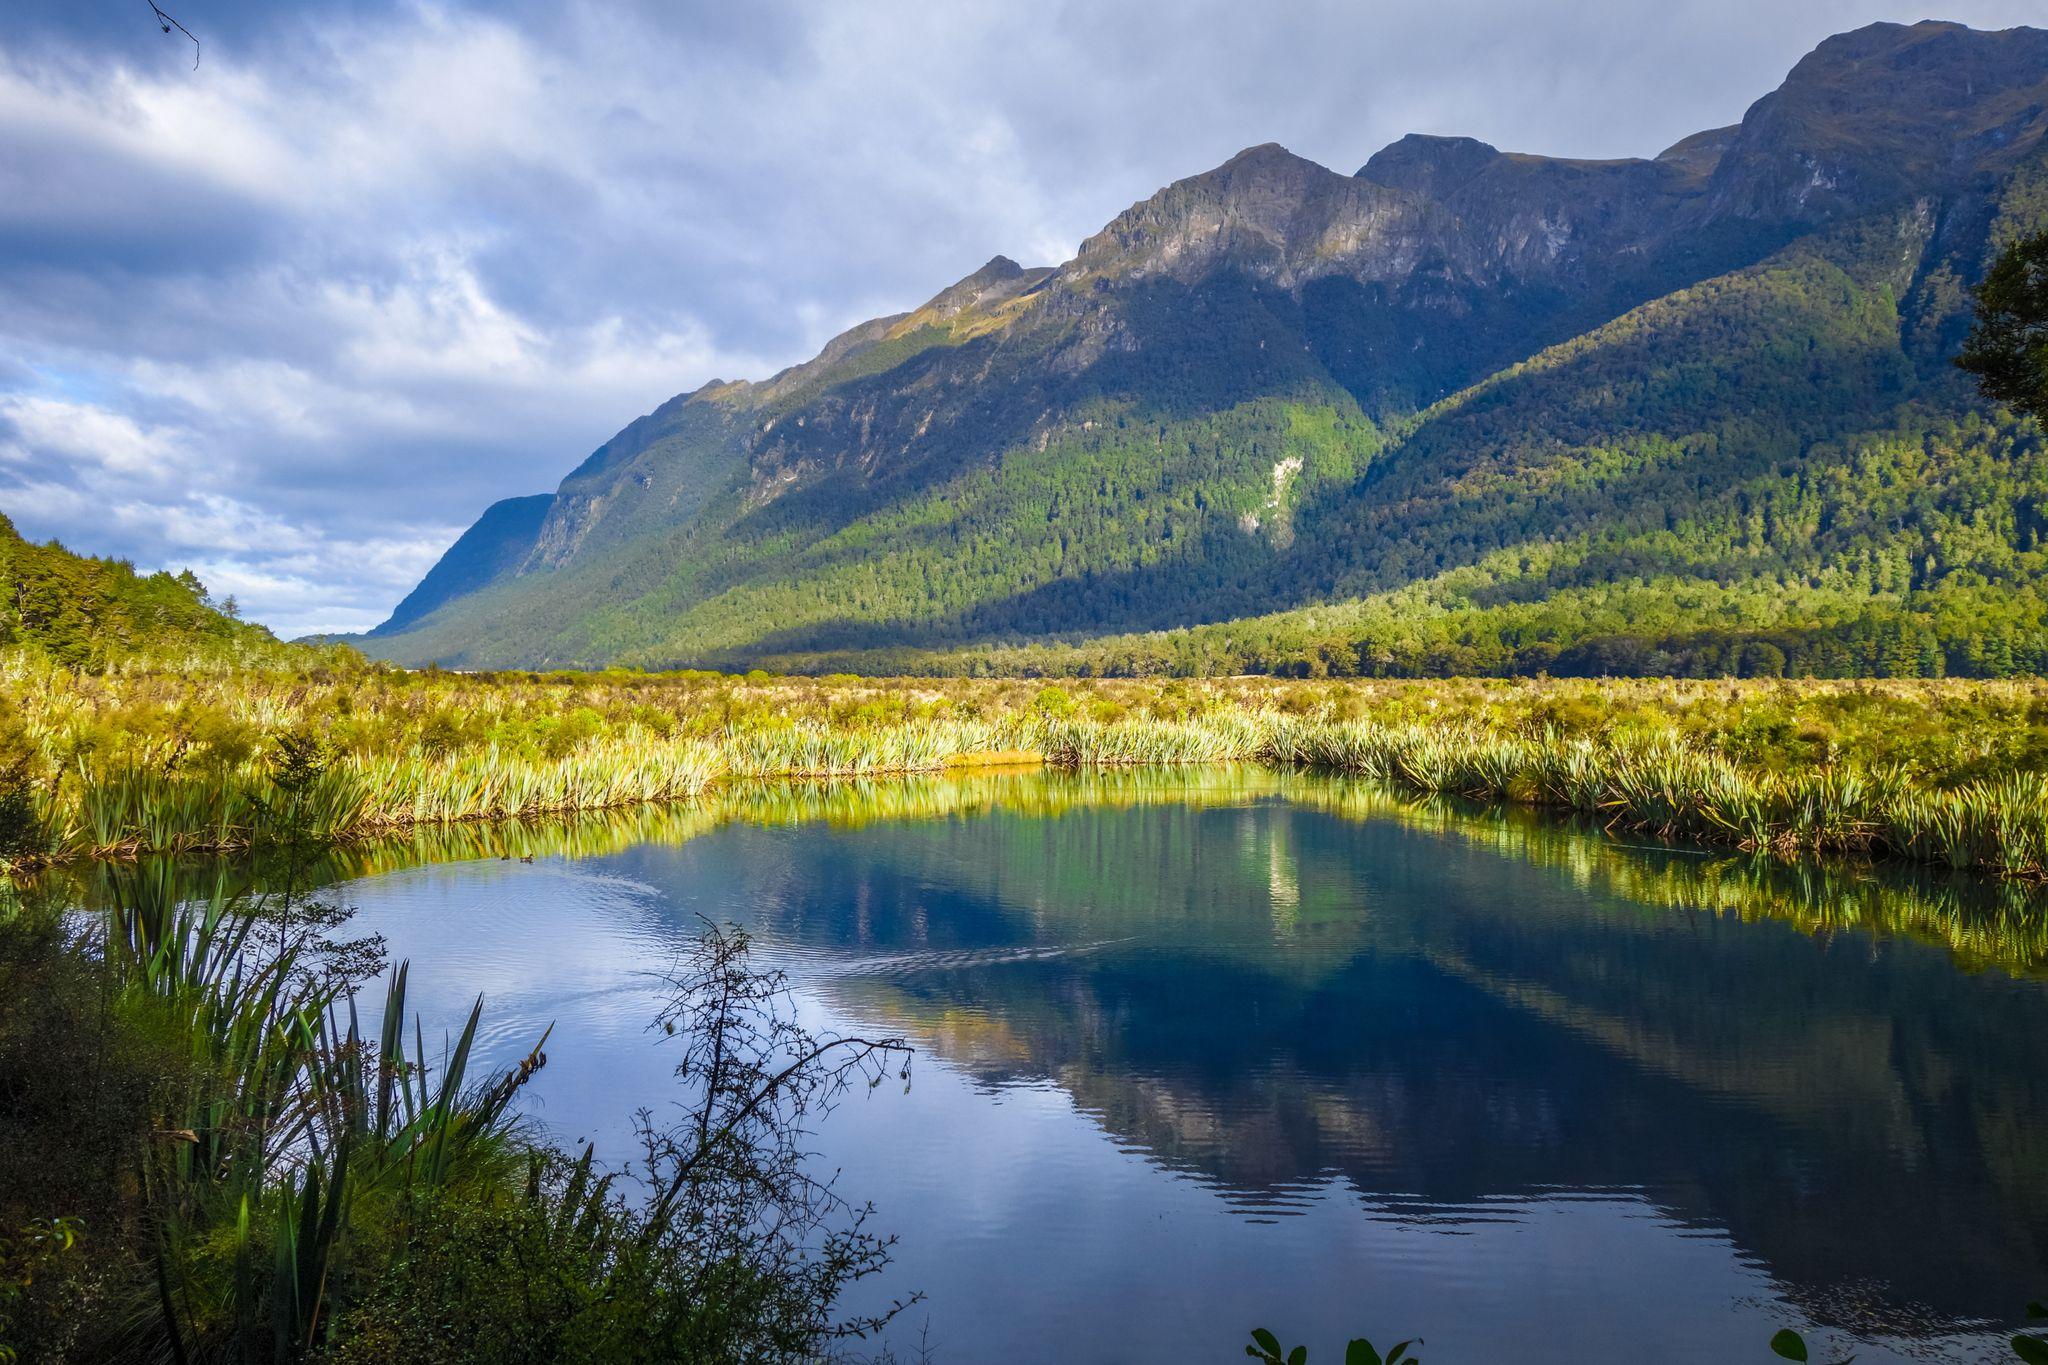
{"x":1204,"y":1052}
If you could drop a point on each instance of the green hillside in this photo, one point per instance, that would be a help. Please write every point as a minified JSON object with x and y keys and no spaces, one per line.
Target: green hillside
{"x":1463,"y":411}
{"x":90,"y":614}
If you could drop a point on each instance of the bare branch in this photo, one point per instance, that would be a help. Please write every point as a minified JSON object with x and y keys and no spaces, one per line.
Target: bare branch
{"x":167,"y":23}
{"x":769,"y":1090}
{"x":730,"y":1181}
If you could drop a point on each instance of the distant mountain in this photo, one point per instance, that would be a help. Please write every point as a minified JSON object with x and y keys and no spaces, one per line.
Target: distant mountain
{"x":1464,"y":410}
{"x":497,"y":545}
{"x":91,"y":613}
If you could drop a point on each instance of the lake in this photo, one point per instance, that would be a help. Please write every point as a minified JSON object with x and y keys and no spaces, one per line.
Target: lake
{"x":1206,"y":1050}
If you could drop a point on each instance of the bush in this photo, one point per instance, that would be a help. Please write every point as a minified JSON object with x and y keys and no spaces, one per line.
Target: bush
{"x":1054,"y":703}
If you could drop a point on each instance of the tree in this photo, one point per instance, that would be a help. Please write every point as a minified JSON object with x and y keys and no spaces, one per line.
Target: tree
{"x":2008,"y":347}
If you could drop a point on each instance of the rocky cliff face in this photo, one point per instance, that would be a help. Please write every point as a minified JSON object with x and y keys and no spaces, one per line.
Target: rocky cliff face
{"x":1273,"y":215}
{"x":1440,"y":262}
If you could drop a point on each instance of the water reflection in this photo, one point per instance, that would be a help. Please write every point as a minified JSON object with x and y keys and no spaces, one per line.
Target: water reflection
{"x":1501,"y":1072}
{"x":1422,"y":1015}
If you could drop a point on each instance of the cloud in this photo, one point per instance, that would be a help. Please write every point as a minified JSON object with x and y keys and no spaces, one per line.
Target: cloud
{"x":43,"y":430}
{"x":147,"y":494}
{"x":296,"y":317}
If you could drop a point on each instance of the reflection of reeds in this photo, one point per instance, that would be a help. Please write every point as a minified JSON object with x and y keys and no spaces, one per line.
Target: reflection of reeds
{"x":133,"y":809}
{"x":842,"y":804}
{"x":1984,"y":923}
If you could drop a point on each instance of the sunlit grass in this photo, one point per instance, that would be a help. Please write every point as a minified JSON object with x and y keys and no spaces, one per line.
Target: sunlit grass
{"x":1947,"y":773}
{"x":1662,"y":786}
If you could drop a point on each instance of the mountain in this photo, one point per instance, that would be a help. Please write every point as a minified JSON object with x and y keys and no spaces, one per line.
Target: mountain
{"x":88,"y":614}
{"x":1465,"y":410}
{"x":497,"y":544}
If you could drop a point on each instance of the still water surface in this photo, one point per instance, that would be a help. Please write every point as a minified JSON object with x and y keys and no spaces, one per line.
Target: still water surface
{"x":1204,"y":1051}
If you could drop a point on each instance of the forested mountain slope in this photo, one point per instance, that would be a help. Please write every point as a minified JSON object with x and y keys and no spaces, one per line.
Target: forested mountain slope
{"x":1465,"y":410}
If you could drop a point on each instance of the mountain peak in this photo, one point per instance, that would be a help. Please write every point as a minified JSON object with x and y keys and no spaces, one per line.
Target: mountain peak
{"x":1879,"y":39}
{"x":1937,"y":48}
{"x":1266,"y":160}
{"x":1271,"y":152}
{"x":997,"y":270}
{"x":1884,"y":112}
{"x":997,"y":281}
{"x":1253,"y":210}
{"x":1428,"y":164}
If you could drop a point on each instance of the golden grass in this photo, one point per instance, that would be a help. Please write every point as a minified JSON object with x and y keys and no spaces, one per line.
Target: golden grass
{"x":1948,"y":773}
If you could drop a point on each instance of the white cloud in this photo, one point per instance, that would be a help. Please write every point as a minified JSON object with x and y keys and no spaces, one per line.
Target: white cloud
{"x":82,"y":436}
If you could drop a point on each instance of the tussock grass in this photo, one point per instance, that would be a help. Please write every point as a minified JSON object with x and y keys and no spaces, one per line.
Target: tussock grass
{"x":1984,"y":922}
{"x":1663,"y":787}
{"x":1949,"y":773}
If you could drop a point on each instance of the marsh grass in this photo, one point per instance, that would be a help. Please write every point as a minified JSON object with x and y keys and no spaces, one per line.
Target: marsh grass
{"x":1982,"y":922}
{"x":1662,"y":787}
{"x":1954,"y":774}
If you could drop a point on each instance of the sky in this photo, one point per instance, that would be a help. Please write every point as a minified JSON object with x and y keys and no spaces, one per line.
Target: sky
{"x":294,"y":317}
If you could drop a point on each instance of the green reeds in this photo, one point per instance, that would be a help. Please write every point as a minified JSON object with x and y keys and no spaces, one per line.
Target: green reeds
{"x":1656,"y":785}
{"x":118,"y":765}
{"x":1134,"y":743}
{"x":1662,"y":787}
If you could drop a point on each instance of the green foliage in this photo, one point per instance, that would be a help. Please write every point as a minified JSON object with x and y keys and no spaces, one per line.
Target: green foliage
{"x":1266,"y":1347}
{"x":1789,"y":1344}
{"x":1053,"y":703}
{"x":22,"y":836}
{"x":2008,"y":348}
{"x":92,"y":614}
{"x":1624,"y":504}
{"x":256,"y":1181}
{"x":1939,"y":772}
{"x":31,"y":1262}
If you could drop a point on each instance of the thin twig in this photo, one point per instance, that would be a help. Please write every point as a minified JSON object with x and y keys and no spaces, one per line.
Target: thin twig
{"x":167,"y":23}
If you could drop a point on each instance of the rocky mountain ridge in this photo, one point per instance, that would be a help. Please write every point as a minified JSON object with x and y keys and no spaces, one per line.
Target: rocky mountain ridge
{"x":1269,"y":280}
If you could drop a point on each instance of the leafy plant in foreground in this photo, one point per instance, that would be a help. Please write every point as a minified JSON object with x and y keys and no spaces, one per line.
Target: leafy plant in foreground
{"x":1266,"y":1347}
{"x":307,"y":1191}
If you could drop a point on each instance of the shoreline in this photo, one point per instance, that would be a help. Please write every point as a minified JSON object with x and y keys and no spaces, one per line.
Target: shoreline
{"x":110,"y":767}
{"x":1850,"y":816}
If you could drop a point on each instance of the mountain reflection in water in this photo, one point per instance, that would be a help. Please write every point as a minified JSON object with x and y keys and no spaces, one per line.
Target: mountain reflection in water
{"x":1210,"y":1049}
